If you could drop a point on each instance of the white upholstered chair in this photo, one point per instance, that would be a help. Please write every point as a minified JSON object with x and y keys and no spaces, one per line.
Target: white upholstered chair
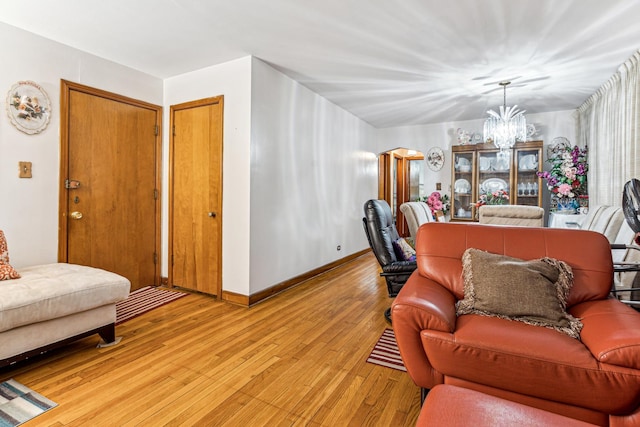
{"x":526,"y":216}
{"x":416,"y":214}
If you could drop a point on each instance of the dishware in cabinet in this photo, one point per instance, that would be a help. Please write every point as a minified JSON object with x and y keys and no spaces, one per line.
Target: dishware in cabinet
{"x":463,"y":184}
{"x":528,"y":185}
{"x":494,"y":170}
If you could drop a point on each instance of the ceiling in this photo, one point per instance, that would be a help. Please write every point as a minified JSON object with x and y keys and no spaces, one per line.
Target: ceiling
{"x":391,"y":63}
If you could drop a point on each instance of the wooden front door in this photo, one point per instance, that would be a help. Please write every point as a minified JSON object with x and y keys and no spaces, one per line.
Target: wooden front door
{"x":110,"y":168}
{"x":195,"y":199}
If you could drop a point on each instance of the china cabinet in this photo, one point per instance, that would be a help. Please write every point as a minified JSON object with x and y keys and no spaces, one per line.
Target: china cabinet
{"x":483,"y":169}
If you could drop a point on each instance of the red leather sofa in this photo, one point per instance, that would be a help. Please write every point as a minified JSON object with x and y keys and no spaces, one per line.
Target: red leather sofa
{"x":595,"y":379}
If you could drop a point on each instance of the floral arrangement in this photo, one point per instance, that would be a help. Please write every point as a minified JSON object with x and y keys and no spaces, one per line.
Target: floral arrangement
{"x":437,"y":202}
{"x":28,"y":107}
{"x":567,"y":178}
{"x":500,"y":197}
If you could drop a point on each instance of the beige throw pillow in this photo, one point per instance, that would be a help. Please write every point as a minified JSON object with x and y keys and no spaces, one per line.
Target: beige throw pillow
{"x":534,"y":292}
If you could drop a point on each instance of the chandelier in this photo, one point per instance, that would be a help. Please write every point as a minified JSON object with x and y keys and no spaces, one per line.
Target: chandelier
{"x":506,"y":128}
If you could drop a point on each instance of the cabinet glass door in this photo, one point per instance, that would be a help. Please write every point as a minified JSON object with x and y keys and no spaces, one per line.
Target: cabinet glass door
{"x":462,"y":202}
{"x":528,"y":163}
{"x":494,"y":173}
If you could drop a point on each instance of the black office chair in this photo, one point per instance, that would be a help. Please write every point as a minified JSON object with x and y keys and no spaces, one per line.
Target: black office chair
{"x":381,"y":232}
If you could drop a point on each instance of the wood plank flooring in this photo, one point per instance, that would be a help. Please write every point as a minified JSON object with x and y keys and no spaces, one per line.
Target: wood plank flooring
{"x":297,"y":359}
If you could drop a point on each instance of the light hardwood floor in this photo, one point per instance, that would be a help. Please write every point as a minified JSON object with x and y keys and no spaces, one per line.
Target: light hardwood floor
{"x":297,"y":359}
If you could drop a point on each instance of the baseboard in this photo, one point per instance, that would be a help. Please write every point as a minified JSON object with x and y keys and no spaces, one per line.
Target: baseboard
{"x":235,"y":298}
{"x":253,"y":299}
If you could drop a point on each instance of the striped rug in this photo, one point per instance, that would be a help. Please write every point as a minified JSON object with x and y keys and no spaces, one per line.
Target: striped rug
{"x":143,"y":300}
{"x":385,"y":352}
{"x":19,"y":404}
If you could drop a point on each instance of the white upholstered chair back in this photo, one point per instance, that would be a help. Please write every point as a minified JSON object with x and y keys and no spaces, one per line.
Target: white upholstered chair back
{"x":525,"y":216}
{"x":416,"y":214}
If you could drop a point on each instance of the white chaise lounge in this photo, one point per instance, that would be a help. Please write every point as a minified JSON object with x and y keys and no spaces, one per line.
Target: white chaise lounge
{"x":53,"y":304}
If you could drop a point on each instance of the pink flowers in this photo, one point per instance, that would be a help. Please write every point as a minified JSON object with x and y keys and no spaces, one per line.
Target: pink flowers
{"x":565,"y":190}
{"x":434,"y":202}
{"x":570,"y":173}
{"x":500,"y":197}
{"x":437,"y":202}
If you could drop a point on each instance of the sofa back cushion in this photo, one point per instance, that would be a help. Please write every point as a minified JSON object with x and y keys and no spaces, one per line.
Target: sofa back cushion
{"x":440,"y":246}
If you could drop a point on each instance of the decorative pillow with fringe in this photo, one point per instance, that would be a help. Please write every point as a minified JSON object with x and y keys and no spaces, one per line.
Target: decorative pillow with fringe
{"x":534,"y":292}
{"x":7,"y":272}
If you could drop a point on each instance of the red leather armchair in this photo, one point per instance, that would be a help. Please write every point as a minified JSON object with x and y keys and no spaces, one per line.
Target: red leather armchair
{"x":594,"y":379}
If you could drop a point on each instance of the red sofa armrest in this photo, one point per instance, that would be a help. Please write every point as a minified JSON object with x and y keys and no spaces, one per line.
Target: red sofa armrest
{"x":611,"y":331}
{"x":427,"y":304}
{"x":421,"y":304}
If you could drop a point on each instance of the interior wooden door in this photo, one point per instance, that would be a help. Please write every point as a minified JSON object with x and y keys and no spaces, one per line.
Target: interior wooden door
{"x":196,"y":196}
{"x":110,"y":164}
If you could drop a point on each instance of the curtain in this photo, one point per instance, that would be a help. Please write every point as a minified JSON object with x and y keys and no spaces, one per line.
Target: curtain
{"x":609,"y":125}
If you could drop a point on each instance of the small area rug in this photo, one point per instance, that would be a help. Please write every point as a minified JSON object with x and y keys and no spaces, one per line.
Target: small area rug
{"x":19,"y":404}
{"x":386,"y":353}
{"x":143,"y":300}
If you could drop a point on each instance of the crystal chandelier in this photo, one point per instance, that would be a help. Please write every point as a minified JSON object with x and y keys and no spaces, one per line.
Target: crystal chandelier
{"x":506,"y":128}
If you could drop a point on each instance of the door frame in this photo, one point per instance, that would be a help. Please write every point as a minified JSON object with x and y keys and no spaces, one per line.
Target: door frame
{"x":65,"y":89}
{"x":172,"y":109}
{"x":393,"y":168}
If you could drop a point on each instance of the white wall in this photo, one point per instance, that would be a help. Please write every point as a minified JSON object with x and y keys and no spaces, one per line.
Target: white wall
{"x":29,"y":207}
{"x":297,"y":168}
{"x":444,"y":135}
{"x":313,"y":166}
{"x":233,"y":80}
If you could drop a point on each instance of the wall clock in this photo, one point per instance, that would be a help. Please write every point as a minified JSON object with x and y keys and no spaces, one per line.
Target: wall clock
{"x":28,"y":107}
{"x":435,"y":158}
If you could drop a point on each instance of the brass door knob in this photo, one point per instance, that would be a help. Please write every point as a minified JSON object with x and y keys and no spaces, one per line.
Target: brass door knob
{"x":212,"y":214}
{"x":76,"y":215}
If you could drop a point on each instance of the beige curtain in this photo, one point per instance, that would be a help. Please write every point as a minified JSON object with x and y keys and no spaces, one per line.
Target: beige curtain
{"x":609,"y":125}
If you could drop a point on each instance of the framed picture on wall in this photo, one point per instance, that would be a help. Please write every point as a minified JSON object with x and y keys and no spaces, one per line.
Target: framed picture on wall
{"x":28,"y":107}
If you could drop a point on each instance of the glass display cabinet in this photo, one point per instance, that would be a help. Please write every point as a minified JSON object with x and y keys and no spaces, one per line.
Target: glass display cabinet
{"x":482,"y":169}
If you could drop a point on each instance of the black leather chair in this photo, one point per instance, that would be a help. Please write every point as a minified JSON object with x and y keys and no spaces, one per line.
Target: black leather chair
{"x":381,"y":232}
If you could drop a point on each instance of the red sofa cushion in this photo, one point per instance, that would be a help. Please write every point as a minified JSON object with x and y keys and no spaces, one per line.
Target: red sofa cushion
{"x":531,"y":360}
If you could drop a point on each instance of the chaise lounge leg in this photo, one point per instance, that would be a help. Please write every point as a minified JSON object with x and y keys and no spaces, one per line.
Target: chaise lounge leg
{"x":108,"y":333}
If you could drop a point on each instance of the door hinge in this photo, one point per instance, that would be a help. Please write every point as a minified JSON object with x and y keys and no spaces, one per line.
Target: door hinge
{"x":172,"y":259}
{"x":174,"y":130}
{"x":156,"y":130}
{"x":155,"y":258}
{"x":155,"y":194}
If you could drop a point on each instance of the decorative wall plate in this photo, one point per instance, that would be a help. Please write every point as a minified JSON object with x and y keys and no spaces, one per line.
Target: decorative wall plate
{"x":435,"y":158}
{"x":28,"y":107}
